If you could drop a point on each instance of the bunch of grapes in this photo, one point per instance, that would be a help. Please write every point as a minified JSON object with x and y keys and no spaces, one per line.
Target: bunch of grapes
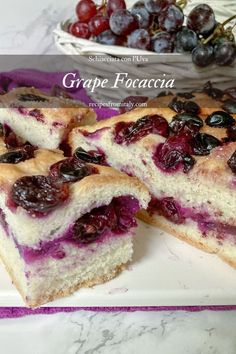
{"x":158,"y":25}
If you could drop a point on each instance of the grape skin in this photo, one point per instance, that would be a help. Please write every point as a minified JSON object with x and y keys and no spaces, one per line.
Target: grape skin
{"x":202,"y":20}
{"x":139,"y":39}
{"x":203,"y":55}
{"x":113,"y":5}
{"x":143,"y":16}
{"x":186,"y":40}
{"x":162,"y":43}
{"x":112,"y":24}
{"x":156,"y":6}
{"x":225,"y":53}
{"x":122,"y":22}
{"x":171,"y":20}
{"x":109,"y":38}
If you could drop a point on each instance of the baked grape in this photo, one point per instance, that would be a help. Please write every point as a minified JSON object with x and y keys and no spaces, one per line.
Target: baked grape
{"x":38,"y":193}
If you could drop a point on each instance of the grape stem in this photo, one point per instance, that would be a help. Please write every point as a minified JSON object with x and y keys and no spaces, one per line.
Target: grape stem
{"x":219,"y":29}
{"x":182,"y":3}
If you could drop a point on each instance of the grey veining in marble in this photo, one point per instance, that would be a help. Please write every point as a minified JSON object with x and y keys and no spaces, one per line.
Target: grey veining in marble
{"x":88,"y":332}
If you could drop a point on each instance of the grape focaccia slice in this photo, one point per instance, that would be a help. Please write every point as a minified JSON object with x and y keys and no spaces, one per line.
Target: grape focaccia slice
{"x":187,"y":161}
{"x":64,"y":224}
{"x":41,"y":119}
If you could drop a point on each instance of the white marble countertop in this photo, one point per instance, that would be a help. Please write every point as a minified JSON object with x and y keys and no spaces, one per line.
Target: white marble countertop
{"x":26,"y":28}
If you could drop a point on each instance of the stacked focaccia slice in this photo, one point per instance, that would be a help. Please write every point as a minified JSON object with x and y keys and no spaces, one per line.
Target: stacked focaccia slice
{"x":64,"y":224}
{"x":41,"y":119}
{"x":183,"y":148}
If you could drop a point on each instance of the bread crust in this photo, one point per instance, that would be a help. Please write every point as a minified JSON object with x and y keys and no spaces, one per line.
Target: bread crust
{"x":211,"y":167}
{"x":170,"y":228}
{"x":57,"y":294}
{"x":40,"y":164}
{"x":67,"y":113}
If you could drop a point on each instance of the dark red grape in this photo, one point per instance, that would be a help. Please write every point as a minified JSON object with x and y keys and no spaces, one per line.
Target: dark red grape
{"x":232,"y":162}
{"x":139,"y":39}
{"x":92,"y":156}
{"x":143,"y":16}
{"x":70,"y":170}
{"x":19,"y":155}
{"x":220,"y":119}
{"x":130,"y":132}
{"x":162,"y":43}
{"x":225,"y":53}
{"x":174,"y":154}
{"x":202,"y":144}
{"x":113,"y":5}
{"x":122,"y":22}
{"x":171,"y":19}
{"x":186,"y":40}
{"x":85,"y":10}
{"x":38,"y":193}
{"x":202,"y":19}
{"x":231,"y":133}
{"x":203,"y":55}
{"x":156,"y":6}
{"x":109,"y":38}
{"x":213,"y":92}
{"x":98,"y":24}
{"x":80,"y":29}
{"x":230,"y":106}
{"x":29,"y":97}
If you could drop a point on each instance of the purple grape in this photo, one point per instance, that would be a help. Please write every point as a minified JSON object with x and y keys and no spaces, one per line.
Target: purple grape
{"x":203,"y":55}
{"x":156,"y":6}
{"x":113,"y":5}
{"x":109,"y":38}
{"x":186,"y":40}
{"x":143,"y":16}
{"x":202,"y":20}
{"x":38,"y":193}
{"x":162,"y":43}
{"x":225,"y":53}
{"x":122,"y":22}
{"x":139,"y":39}
{"x":171,"y":19}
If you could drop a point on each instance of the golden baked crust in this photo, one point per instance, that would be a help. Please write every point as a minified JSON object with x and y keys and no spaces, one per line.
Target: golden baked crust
{"x":212,"y":166}
{"x":207,"y":104}
{"x":65,"y":112}
{"x":40,"y":164}
{"x":202,"y":244}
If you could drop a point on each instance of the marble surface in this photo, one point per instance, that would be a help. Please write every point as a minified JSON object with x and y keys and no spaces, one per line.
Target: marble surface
{"x":26,"y":28}
{"x":121,"y":333}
